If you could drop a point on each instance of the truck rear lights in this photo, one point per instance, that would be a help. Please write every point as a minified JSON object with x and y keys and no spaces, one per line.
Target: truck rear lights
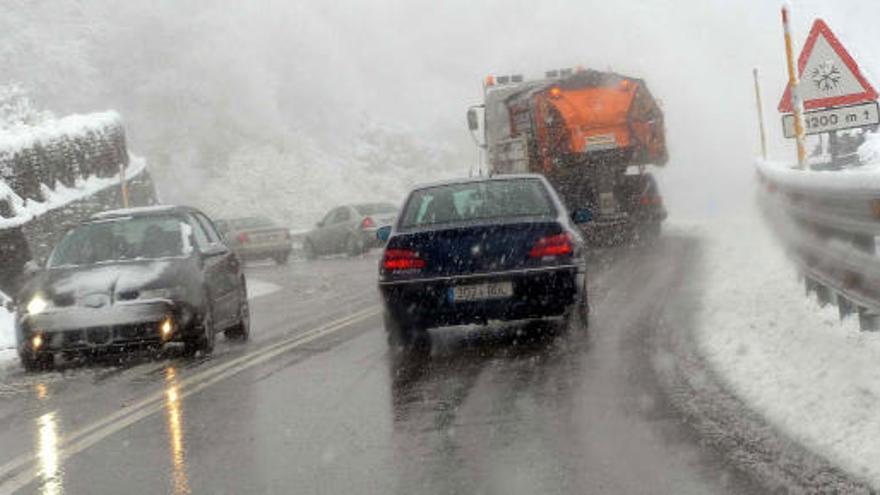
{"x":555,"y":245}
{"x":367,"y":223}
{"x":402,"y":259}
{"x":651,"y":201}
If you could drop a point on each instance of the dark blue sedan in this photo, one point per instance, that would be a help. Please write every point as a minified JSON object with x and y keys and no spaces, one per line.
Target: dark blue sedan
{"x":474,"y":250}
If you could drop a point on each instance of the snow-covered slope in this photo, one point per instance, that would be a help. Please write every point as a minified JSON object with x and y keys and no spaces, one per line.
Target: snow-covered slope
{"x":296,"y":184}
{"x":811,"y":375}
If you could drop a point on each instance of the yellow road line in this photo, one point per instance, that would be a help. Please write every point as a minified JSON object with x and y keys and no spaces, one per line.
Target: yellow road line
{"x":121,"y":419}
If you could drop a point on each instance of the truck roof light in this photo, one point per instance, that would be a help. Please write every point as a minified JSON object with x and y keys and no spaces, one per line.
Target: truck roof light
{"x":516,"y":78}
{"x":551,"y":74}
{"x":566,"y":72}
{"x":503,"y":79}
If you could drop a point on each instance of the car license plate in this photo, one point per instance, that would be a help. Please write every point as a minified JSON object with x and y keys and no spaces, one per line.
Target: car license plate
{"x":480,"y":292}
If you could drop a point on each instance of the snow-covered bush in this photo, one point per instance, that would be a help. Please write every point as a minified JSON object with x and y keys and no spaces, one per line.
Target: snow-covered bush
{"x":17,"y":109}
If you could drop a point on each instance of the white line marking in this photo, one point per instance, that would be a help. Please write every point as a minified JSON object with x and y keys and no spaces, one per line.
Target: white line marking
{"x":90,"y":435}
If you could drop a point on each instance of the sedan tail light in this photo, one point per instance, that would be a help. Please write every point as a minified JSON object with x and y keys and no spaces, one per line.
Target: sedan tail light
{"x":402,"y":259}
{"x":554,"y":245}
{"x":367,"y":223}
{"x":243,"y":238}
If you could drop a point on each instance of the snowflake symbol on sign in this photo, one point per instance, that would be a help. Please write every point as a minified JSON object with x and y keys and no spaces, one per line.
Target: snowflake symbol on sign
{"x":826,"y":76}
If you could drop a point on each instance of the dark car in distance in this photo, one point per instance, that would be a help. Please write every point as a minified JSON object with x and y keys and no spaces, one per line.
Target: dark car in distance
{"x":133,"y":278}
{"x":475,"y":250}
{"x":349,"y":229}
{"x":254,"y":238}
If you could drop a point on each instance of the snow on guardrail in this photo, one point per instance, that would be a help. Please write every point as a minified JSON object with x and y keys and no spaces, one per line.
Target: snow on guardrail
{"x":829,"y":222}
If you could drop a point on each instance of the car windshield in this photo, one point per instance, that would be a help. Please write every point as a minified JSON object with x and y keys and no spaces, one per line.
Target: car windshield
{"x":480,"y":200}
{"x":376,"y":209}
{"x":120,"y":240}
{"x":251,"y":223}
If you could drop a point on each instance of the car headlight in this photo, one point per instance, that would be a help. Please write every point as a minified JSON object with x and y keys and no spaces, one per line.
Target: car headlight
{"x":163,"y":293}
{"x":37,"y":305}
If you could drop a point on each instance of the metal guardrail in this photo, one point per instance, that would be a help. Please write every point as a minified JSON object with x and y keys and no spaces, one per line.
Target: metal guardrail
{"x":830,"y":224}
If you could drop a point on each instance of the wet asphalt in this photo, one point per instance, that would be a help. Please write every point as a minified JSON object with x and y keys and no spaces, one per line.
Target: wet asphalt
{"x":316,"y":402}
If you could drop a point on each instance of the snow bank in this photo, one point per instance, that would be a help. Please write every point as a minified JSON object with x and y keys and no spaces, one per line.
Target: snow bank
{"x":27,"y":210}
{"x":815,"y":378}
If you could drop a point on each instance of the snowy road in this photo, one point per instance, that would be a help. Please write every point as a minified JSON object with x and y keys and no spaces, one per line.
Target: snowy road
{"x":315,"y":403}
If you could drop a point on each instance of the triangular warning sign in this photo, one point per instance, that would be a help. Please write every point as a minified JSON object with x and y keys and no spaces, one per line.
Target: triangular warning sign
{"x":829,"y":77}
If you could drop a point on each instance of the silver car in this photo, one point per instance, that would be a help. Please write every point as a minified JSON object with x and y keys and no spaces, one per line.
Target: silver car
{"x":255,"y":238}
{"x":349,"y":229}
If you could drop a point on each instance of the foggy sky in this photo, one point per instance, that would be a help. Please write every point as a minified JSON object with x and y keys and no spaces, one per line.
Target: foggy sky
{"x":183,"y":71}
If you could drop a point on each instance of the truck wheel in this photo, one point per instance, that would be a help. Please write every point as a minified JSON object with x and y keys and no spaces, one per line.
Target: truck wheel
{"x":652,"y":230}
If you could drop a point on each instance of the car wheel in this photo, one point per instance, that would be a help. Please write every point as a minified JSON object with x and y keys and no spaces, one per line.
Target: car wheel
{"x":406,"y":337}
{"x":242,"y":331}
{"x":309,"y":250}
{"x":37,"y":362}
{"x":282,"y":257}
{"x":578,"y":314}
{"x":205,"y":341}
{"x":354,"y":246}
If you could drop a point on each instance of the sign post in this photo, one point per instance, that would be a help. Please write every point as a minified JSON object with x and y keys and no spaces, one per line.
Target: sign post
{"x":123,"y":185}
{"x":794,"y":95}
{"x":832,"y":89}
{"x":760,"y":114}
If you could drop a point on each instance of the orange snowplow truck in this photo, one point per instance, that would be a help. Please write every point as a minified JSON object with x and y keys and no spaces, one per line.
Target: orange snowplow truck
{"x":592,"y":134}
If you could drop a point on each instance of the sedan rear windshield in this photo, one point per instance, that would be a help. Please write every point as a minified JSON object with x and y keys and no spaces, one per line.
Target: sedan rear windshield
{"x":121,"y":239}
{"x":483,"y":200}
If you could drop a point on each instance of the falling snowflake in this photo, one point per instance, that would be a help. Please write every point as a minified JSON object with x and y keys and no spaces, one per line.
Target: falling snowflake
{"x":826,"y":76}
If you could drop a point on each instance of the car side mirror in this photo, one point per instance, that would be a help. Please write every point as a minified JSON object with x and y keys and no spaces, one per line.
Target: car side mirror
{"x":31,"y":269}
{"x":582,"y":215}
{"x":383,"y":233}
{"x":214,"y":250}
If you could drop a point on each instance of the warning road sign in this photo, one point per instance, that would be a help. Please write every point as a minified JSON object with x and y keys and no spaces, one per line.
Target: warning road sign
{"x":834,"y":119}
{"x":829,"y":75}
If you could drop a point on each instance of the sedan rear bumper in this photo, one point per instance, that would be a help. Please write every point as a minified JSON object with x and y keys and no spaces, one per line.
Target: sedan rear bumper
{"x":536,"y":294}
